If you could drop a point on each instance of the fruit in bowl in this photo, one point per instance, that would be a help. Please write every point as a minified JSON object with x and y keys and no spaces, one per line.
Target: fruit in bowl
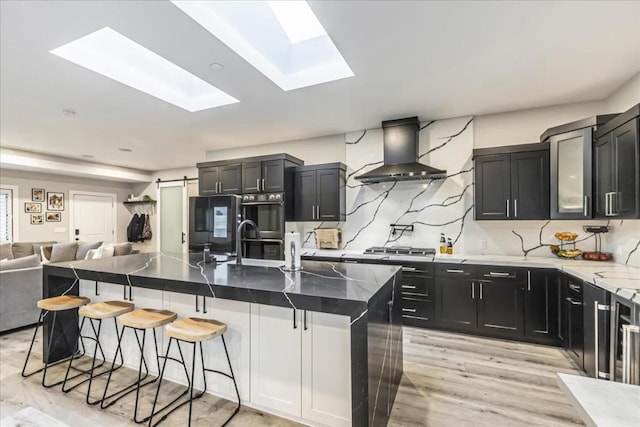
{"x":572,"y":253}
{"x":597,"y":256}
{"x":566,"y":236}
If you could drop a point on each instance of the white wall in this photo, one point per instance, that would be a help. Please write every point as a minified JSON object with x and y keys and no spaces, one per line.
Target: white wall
{"x":526,"y":126}
{"x":325,"y":149}
{"x":57,"y":183}
{"x":625,"y":97}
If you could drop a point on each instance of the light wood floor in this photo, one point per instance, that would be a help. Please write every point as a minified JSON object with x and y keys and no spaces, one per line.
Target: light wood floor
{"x":449,"y":380}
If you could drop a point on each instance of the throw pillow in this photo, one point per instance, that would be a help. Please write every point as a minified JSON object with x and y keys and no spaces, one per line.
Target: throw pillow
{"x":18,"y":263}
{"x":5,"y":251}
{"x":104,"y":251}
{"x":84,"y":248}
{"x":122,"y":248}
{"x":64,"y":252}
{"x":45,"y":253}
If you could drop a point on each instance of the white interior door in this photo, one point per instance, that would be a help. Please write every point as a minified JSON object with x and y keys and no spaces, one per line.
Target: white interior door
{"x":172,"y":217}
{"x":92,"y":216}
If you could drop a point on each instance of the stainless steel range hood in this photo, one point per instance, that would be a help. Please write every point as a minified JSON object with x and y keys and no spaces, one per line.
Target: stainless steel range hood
{"x":400,"y":139}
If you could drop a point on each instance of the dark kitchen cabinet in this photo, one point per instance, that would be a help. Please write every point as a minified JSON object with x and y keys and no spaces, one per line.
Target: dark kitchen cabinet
{"x":541,"y":313}
{"x":263,"y":176}
{"x":500,"y":300}
{"x":455,"y":290}
{"x":596,"y":330}
{"x":221,"y":179}
{"x":320,"y":192}
{"x":417,"y":294}
{"x":574,"y":341}
{"x":512,"y":182}
{"x":616,"y":167}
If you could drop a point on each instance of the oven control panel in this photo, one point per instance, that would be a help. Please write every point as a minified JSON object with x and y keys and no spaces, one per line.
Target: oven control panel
{"x":263,"y":198}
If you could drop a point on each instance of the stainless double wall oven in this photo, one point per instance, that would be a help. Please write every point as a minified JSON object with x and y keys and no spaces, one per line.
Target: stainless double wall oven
{"x":267,"y":210}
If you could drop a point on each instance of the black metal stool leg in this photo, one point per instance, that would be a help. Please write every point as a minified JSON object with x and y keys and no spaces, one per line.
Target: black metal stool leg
{"x":233,"y":377}
{"x":33,"y":340}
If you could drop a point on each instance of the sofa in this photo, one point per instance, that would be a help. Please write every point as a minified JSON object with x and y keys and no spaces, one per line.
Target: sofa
{"x":20,"y":288}
{"x":21,"y":274}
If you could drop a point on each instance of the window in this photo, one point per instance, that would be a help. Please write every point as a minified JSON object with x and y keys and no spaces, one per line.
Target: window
{"x":6,"y":214}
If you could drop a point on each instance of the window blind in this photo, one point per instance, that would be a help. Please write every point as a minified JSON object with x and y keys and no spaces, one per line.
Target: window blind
{"x":6,"y":227}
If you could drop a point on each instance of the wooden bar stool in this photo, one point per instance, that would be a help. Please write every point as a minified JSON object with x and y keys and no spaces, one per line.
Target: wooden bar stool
{"x":97,"y":312}
{"x":54,"y":305}
{"x":138,"y":321}
{"x":193,"y":330}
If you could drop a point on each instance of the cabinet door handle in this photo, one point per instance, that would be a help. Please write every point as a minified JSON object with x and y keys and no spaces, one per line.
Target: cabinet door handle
{"x":409,"y":310}
{"x":408,"y":287}
{"x":408,"y":269}
{"x":304,"y":320}
{"x":263,"y":184}
{"x":455,"y":271}
{"x":573,"y":302}
{"x":318,"y":211}
{"x":494,"y":274}
{"x":574,"y":287}
{"x":257,"y":184}
{"x":295,"y":323}
{"x":606,"y":203}
{"x":313,"y":211}
{"x":473,"y":290}
{"x":529,"y":280}
{"x":507,"y":208}
{"x":220,"y":185}
{"x":627,"y":330}
{"x":596,"y":308}
{"x":197,"y":309}
{"x":515,"y":208}
{"x":481,"y":289}
{"x":586,"y":205}
{"x":97,"y":294}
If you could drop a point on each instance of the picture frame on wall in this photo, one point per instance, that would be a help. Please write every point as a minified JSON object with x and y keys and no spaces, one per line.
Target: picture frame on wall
{"x":37,"y":194}
{"x":53,"y":217}
{"x":37,"y":219}
{"x":32,"y":207}
{"x":55,"y":201}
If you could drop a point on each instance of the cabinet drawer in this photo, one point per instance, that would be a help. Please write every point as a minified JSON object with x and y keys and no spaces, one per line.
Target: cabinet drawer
{"x":455,"y":270}
{"x":491,"y":272}
{"x":422,"y":269}
{"x":416,"y":308}
{"x":413,"y":284}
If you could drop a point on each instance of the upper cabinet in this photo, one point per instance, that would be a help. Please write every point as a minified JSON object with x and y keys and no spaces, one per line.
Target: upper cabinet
{"x":320,"y":192}
{"x":512,"y":182}
{"x":269,"y":174}
{"x":616,"y":155}
{"x":220,"y":179}
{"x":570,"y":167}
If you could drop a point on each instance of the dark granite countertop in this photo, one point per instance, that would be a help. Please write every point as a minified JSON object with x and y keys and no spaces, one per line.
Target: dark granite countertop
{"x":320,"y":286}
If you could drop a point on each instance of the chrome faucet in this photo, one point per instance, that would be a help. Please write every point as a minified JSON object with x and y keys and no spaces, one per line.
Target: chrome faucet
{"x":239,"y":238}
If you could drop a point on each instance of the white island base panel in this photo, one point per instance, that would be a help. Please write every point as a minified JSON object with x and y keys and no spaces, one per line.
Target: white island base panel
{"x":602,"y":403}
{"x":298,"y":369}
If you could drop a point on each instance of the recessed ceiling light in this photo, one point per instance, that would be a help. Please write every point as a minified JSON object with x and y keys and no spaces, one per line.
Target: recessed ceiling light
{"x":284,"y":40}
{"x":216,"y":66}
{"x":126,"y":150}
{"x":88,"y":156}
{"x":68,"y":113}
{"x":113,"y":55}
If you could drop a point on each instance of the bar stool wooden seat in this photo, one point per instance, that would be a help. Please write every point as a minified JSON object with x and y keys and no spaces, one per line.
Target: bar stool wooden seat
{"x":194,"y":331}
{"x":97,"y":312}
{"x":54,"y":305}
{"x":139,"y":320}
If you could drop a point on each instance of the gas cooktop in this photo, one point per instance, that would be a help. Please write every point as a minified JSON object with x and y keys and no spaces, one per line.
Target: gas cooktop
{"x":400,"y":250}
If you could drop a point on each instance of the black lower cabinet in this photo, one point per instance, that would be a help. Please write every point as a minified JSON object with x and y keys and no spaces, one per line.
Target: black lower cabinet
{"x":417,"y":294}
{"x":574,"y":341}
{"x":500,"y":307}
{"x":596,"y":330}
{"x":541,"y":307}
{"x":456,"y":304}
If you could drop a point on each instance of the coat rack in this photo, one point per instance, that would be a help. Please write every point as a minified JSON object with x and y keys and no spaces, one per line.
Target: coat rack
{"x":141,"y":207}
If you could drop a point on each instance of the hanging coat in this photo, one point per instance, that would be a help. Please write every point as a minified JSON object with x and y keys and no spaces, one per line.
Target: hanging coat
{"x":131,"y":228}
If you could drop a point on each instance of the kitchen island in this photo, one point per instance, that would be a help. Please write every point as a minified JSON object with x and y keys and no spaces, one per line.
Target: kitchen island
{"x":322,"y":345}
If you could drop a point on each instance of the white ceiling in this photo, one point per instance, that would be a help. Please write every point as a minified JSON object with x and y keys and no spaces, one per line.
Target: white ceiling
{"x":431,"y":59}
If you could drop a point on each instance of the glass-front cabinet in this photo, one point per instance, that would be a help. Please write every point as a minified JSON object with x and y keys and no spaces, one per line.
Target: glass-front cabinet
{"x":570,"y":155}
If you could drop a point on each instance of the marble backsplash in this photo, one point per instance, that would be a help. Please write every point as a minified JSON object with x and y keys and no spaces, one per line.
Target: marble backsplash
{"x":446,"y":206}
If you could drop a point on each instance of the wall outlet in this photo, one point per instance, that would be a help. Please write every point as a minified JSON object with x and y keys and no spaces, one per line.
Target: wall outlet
{"x":483,"y":244}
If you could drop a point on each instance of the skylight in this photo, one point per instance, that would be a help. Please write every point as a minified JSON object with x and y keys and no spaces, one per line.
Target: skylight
{"x":297,"y":20}
{"x":284,"y":40}
{"x":113,"y":55}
